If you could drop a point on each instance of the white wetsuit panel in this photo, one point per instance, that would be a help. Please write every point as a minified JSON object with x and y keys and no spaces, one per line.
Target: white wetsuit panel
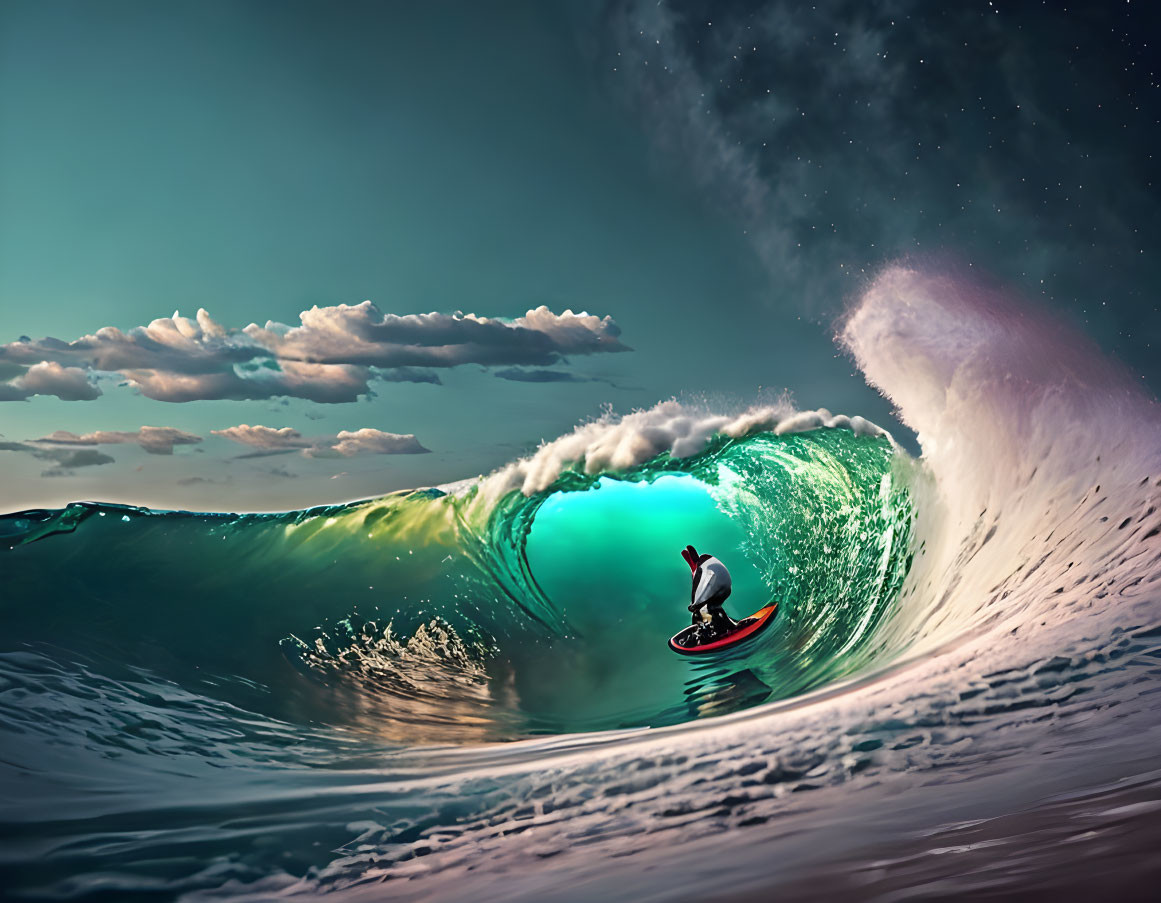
{"x":713,"y":581}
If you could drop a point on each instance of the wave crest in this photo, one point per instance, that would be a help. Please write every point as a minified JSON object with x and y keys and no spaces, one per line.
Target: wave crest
{"x":1040,"y":456}
{"x":619,"y":443}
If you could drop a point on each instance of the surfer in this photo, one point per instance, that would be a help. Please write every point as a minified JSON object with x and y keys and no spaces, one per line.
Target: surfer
{"x":712,"y":629}
{"x":711,"y":587}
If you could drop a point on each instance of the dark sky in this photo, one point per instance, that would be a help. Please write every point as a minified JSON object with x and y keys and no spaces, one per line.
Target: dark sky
{"x":719,"y":178}
{"x":1017,"y":138}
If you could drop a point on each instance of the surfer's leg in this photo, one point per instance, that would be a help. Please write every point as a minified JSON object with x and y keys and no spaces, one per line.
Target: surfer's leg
{"x":720,"y":622}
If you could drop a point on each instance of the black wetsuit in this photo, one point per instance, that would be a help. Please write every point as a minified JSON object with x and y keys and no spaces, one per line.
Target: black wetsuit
{"x":711,"y":587}
{"x":718,"y":626}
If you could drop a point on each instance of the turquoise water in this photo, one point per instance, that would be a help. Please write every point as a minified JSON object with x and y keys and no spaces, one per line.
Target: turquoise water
{"x":609,"y":560}
{"x":187,"y":671}
{"x":813,"y":523}
{"x":426,"y":617}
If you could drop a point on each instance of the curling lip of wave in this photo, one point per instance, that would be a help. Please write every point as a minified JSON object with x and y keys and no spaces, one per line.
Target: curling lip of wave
{"x":610,"y":444}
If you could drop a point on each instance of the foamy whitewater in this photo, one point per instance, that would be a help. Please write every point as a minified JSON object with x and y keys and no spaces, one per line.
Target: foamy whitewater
{"x":464,"y":692}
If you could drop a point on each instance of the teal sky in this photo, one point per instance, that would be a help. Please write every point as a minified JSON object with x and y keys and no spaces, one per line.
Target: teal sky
{"x":259,"y":158}
{"x":256,"y":159}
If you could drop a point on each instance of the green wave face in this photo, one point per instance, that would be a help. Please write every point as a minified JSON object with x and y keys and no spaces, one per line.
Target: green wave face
{"x":426,"y":617}
{"x":812,"y":521}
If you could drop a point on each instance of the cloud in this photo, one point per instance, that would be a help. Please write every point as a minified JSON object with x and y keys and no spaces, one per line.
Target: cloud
{"x":9,"y":370}
{"x":48,"y":378}
{"x":523,"y":375}
{"x":331,"y":357}
{"x":540,"y":376}
{"x":536,"y":375}
{"x":346,"y":444}
{"x":62,"y":457}
{"x":266,"y":453}
{"x":156,"y":440}
{"x":406,"y":375}
{"x":200,"y":481}
{"x":361,"y":334}
{"x":264,"y":437}
{"x":79,"y":458}
{"x":175,"y":344}
{"x":369,"y":442}
{"x":324,"y":383}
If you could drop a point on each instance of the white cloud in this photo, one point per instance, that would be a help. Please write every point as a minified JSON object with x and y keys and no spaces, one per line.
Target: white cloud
{"x":370,"y":442}
{"x":361,"y":334}
{"x":264,"y":437}
{"x":174,"y":343}
{"x":51,"y":378}
{"x":331,"y":357}
{"x":346,"y":444}
{"x":327,"y":383}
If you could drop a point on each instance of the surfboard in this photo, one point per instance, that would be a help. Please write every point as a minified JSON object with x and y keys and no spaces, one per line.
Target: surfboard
{"x":747,"y":629}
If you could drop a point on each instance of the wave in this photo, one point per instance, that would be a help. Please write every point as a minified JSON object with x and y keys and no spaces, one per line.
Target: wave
{"x":1042,"y":498}
{"x":452,"y":685}
{"x":448,"y":616}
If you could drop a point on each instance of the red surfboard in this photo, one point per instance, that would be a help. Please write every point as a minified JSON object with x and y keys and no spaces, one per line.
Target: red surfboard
{"x":747,"y":628}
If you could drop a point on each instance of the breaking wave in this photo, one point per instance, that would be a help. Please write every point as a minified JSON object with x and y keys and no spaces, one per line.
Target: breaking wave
{"x":451,"y":685}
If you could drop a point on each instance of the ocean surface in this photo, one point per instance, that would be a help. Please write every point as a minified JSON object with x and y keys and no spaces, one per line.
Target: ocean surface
{"x":465,"y":692}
